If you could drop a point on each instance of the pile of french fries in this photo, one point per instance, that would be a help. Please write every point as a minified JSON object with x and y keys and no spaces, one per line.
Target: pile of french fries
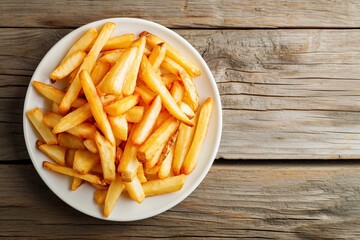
{"x":129,"y":119}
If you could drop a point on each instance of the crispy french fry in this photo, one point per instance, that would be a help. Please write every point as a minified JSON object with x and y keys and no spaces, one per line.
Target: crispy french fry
{"x":177,"y":91}
{"x":169,"y":145}
{"x":168,"y":79}
{"x":171,"y":66}
{"x":99,"y":196}
{"x":107,"y":157}
{"x":99,"y":71}
{"x":140,"y":174}
{"x":134,"y":114}
{"x":113,"y":194}
{"x":149,"y":76}
{"x":69,"y":158}
{"x":199,"y":137}
{"x":153,"y":40}
{"x":70,"y":141}
{"x":135,"y":190}
{"x":145,"y":93}
{"x":165,"y":168}
{"x":84,"y":161}
{"x":55,"y":152}
{"x":88,"y":64}
{"x":67,"y":66}
{"x":143,"y":129}
{"x":122,"y":41}
{"x":157,"y":139}
{"x":76,"y":183}
{"x":132,"y":74}
{"x":111,"y":57}
{"x":186,"y":109}
{"x":114,"y":79}
{"x":190,"y":91}
{"x":157,"y":55}
{"x":96,"y":106}
{"x":36,"y":118}
{"x":119,"y":127}
{"x":121,"y":106}
{"x":90,"y":145}
{"x":163,"y":186}
{"x":72,"y":173}
{"x":128,"y":163}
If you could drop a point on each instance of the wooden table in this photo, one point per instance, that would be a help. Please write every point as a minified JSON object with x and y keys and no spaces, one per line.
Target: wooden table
{"x":289,"y":77}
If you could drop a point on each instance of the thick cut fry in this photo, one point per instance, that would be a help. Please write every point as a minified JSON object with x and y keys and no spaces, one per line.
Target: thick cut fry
{"x":96,"y":106}
{"x":55,"y":152}
{"x":163,"y":186}
{"x":70,"y":141}
{"x":36,"y":118}
{"x":76,"y":183}
{"x":114,"y":79}
{"x":99,"y":71}
{"x":122,"y":41}
{"x":199,"y":137}
{"x":165,"y":168}
{"x":157,"y":55}
{"x":67,"y":66}
{"x":143,"y":129}
{"x":72,"y":173}
{"x":90,"y":145}
{"x":140,"y":174}
{"x":87,"y":65}
{"x":111,"y":57}
{"x":135,"y":114}
{"x":84,"y":161}
{"x":149,"y":76}
{"x":135,"y":190}
{"x":155,"y":159}
{"x":186,"y":109}
{"x":168,"y":79}
{"x":192,"y":96}
{"x":73,"y":119}
{"x":107,"y":157}
{"x":157,"y":139}
{"x":174,"y":54}
{"x":121,"y":106}
{"x":115,"y":189}
{"x":119,"y":127}
{"x":55,"y":94}
{"x":69,"y":158}
{"x":128,"y":163}
{"x":177,"y":92}
{"x":99,"y":196}
{"x":169,"y":145}
{"x":132,"y":74}
{"x":83,"y":43}
{"x":145,"y":93}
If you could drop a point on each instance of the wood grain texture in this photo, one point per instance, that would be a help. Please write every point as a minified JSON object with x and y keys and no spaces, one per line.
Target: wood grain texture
{"x":185,"y":13}
{"x":286,"y":94}
{"x":234,"y":201}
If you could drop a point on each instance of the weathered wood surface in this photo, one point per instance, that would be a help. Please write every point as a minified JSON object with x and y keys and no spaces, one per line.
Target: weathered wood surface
{"x":286,"y":94}
{"x":280,"y":201}
{"x":184,"y":13}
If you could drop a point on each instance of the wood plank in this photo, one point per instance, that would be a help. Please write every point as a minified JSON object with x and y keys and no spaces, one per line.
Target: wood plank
{"x":278,"y":202}
{"x":185,"y":14}
{"x":286,"y":94}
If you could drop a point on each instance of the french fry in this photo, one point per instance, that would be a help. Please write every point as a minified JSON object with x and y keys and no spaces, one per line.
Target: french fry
{"x":99,"y":71}
{"x":169,"y":145}
{"x":88,"y":64}
{"x":107,"y":157}
{"x":122,"y":41}
{"x":114,"y":79}
{"x":177,"y":91}
{"x":174,"y":54}
{"x":54,"y":152}
{"x":84,"y":161}
{"x":155,"y":159}
{"x":132,"y":74}
{"x":148,"y":75}
{"x":145,"y":93}
{"x":165,"y":168}
{"x":163,"y":186}
{"x":76,"y":183}
{"x":119,"y":153}
{"x":157,"y":55}
{"x":152,"y":173}
{"x":168,"y":79}
{"x":113,"y":194}
{"x":96,"y":106}
{"x":134,"y":114}
{"x":69,"y":158}
{"x":140,"y":174}
{"x":67,"y":66}
{"x":73,"y":74}
{"x":163,"y":116}
{"x":121,"y":106}
{"x":55,"y":107}
{"x":70,"y":141}
{"x":128,"y":163}
{"x":72,"y":173}
{"x":147,"y":52}
{"x":111,"y":57}
{"x":99,"y":196}
{"x":90,"y":145}
{"x":36,"y":118}
{"x":199,"y":137}
{"x":186,"y":109}
{"x":119,"y":127}
{"x":157,"y":139}
{"x":135,"y":190}
{"x":143,"y":129}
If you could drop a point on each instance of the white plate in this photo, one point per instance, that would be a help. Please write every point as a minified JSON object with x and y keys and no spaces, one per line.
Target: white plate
{"x":125,"y":209}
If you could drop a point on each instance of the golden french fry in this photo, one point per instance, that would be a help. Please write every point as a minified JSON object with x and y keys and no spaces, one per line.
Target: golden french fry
{"x":70,"y":141}
{"x":107,"y":157}
{"x":134,"y":114}
{"x":36,"y":117}
{"x":140,"y":174}
{"x":90,"y":145}
{"x":88,"y":64}
{"x":132,"y":74}
{"x":96,"y":106}
{"x":122,"y":41}
{"x":113,"y":194}
{"x":55,"y":152}
{"x":168,"y":79}
{"x":155,"y":159}
{"x":67,"y":66}
{"x":163,"y":116}
{"x":157,"y":139}
{"x":147,"y":52}
{"x":73,"y":74}
{"x":148,"y":75}
{"x":145,"y":93}
{"x":152,"y":173}
{"x":199,"y":137}
{"x":190,"y":91}
{"x":121,"y":106}
{"x":171,"y":66}
{"x":111,"y":57}
{"x":99,"y":71}
{"x":128,"y":163}
{"x":177,"y":92}
{"x":119,"y":127}
{"x":76,"y":183}
{"x":143,"y":129}
{"x":157,"y":55}
{"x":165,"y":168}
{"x":99,"y":196}
{"x":84,"y":161}
{"x":186,"y":109}
{"x":163,"y":186}
{"x":114,"y":79}
{"x":72,"y":173}
{"x":135,"y":190}
{"x":69,"y":158}
{"x":174,"y":54}
{"x":169,"y":145}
